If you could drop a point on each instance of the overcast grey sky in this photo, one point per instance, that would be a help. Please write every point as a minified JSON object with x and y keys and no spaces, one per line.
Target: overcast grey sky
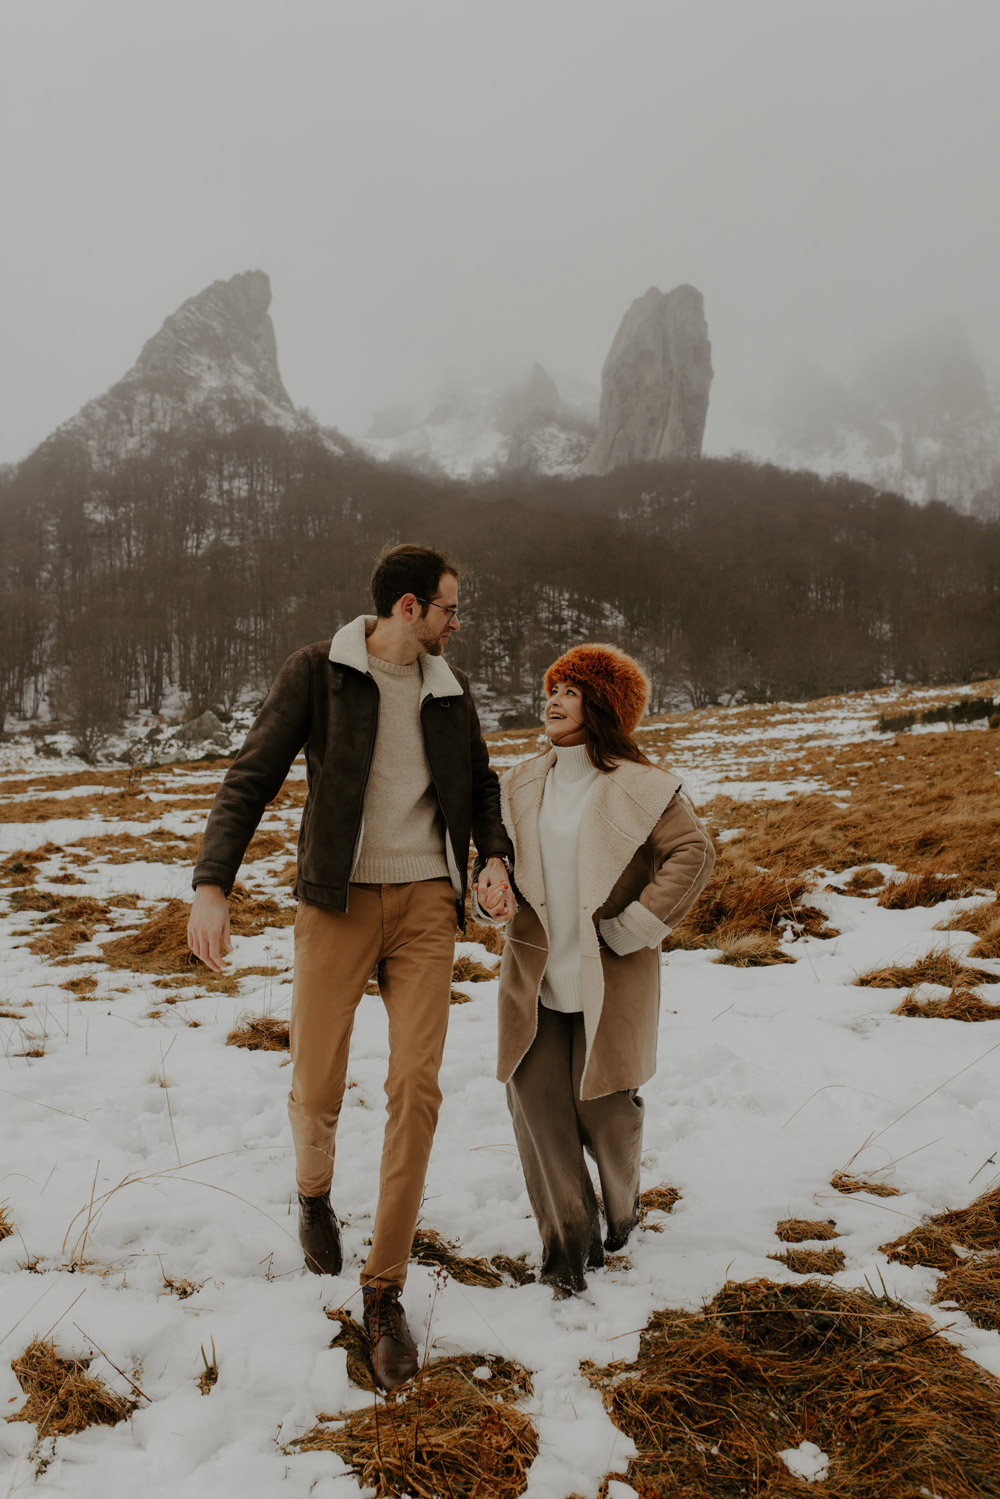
{"x":433,"y":184}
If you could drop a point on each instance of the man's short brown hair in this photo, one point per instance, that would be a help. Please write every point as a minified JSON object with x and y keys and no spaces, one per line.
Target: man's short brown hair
{"x":407,"y":568}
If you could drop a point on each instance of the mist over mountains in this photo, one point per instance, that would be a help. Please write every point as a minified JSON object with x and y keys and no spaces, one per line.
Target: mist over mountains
{"x":167,"y":547}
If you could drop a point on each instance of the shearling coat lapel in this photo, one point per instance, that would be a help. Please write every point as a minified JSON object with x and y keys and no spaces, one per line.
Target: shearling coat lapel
{"x":521,"y":793}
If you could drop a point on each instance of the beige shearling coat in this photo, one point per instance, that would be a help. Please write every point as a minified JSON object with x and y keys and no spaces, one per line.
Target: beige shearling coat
{"x":639,"y":841}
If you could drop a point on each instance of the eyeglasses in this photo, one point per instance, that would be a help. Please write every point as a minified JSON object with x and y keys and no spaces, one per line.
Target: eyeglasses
{"x":451,"y":610}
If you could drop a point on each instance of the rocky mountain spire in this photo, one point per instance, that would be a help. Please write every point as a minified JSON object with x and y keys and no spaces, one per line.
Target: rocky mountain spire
{"x":214,"y":362}
{"x":655,"y":383}
{"x":224,"y":331}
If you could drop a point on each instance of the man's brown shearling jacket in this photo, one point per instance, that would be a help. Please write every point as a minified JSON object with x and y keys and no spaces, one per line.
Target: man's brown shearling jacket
{"x":324,"y":699}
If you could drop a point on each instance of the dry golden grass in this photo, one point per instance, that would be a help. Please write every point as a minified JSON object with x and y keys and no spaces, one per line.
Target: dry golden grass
{"x":456,"y":1429}
{"x":490,"y":937}
{"x":67,"y":922}
{"x":801,"y":1230}
{"x":749,"y":949}
{"x":6,"y":1222}
{"x":470,"y":971}
{"x":714,"y":1396}
{"x":745,"y":911}
{"x":160,"y":944}
{"x":935,"y":967}
{"x":659,"y":1199}
{"x":945,"y":783}
{"x":158,"y":846}
{"x":924,"y":890}
{"x":259,"y":1033}
{"x":21,"y":867}
{"x":974,"y":1228}
{"x":842,"y":1182}
{"x":266,"y":843}
{"x":961,"y":1004}
{"x":429,"y":1248}
{"x":811,"y":1261}
{"x":62,"y":1396}
{"x":864,"y":881}
{"x":974,"y":1287}
{"x":982,"y":920}
{"x":83,"y":988}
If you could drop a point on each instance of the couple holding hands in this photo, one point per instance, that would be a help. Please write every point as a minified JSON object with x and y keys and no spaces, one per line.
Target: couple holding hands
{"x":587,"y":854}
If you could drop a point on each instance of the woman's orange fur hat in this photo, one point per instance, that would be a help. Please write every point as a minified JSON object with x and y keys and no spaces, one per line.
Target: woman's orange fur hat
{"x":607,"y":676}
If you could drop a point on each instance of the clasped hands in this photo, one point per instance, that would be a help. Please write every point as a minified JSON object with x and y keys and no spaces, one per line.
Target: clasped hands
{"x":493,"y":891}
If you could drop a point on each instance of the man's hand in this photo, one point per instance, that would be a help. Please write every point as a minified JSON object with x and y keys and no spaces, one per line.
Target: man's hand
{"x":208,"y":929}
{"x":493,"y":891}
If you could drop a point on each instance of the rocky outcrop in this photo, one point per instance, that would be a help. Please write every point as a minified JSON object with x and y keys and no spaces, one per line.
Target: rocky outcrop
{"x":655,"y":383}
{"x":213,"y":364}
{"x":225,"y":331}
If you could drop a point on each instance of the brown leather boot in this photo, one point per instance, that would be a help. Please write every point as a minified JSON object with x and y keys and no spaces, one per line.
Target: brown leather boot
{"x":393,"y":1351}
{"x":319,"y":1235}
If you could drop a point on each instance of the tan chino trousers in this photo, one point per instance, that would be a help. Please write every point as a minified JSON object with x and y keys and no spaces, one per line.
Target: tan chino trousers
{"x":408,"y":933}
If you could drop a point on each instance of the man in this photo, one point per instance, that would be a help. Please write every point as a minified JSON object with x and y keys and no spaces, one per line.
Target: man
{"x":398,"y":777}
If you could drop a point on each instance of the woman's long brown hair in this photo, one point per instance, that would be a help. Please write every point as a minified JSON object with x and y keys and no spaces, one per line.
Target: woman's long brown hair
{"x":606,"y":741}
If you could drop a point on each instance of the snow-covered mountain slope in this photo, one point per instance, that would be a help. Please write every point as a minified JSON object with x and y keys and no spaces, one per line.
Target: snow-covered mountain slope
{"x":921,"y":419}
{"x":477,"y":429}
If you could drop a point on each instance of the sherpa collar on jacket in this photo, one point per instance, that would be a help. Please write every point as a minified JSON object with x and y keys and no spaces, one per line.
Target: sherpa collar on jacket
{"x":348,"y":648}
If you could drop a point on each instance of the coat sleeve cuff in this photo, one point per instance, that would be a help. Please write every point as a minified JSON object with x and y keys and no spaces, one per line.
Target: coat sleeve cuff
{"x":636,"y":927}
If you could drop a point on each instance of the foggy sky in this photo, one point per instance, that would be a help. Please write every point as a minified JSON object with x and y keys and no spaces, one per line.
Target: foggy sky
{"x":436,"y":184}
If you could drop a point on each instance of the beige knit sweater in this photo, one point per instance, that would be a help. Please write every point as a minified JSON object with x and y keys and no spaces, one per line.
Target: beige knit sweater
{"x":402,"y":836}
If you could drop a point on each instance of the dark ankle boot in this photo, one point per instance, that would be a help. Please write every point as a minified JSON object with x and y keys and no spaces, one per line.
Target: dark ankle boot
{"x":319,"y":1235}
{"x":393,"y":1351}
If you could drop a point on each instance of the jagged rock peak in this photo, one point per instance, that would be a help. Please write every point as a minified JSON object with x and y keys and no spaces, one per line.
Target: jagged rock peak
{"x":225,"y":327}
{"x":655,"y":383}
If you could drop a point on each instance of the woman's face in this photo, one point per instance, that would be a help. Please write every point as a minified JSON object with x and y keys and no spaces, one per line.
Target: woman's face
{"x":564,"y":715}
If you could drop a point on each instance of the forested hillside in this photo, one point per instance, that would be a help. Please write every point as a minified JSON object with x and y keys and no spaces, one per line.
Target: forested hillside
{"x":196,"y":565}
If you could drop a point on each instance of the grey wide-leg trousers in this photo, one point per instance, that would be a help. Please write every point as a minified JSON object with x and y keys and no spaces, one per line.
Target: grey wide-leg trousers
{"x":553,"y":1127}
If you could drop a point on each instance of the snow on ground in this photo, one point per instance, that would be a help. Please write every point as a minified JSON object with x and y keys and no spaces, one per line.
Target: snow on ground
{"x":140,"y":1150}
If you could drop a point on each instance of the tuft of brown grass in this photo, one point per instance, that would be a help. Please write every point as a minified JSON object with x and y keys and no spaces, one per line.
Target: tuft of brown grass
{"x":801,"y":1230}
{"x":490,"y":937}
{"x":457,"y":1429}
{"x":974,"y":1287}
{"x":982,"y":920}
{"x":6,"y":1222}
{"x":659,"y":1199}
{"x":160,"y":944}
{"x":83,"y":988}
{"x":21,"y":867}
{"x":975,"y":1228}
{"x":158,"y":846}
{"x":864,"y":881}
{"x":961,"y":1004}
{"x":743,"y":901}
{"x":62,"y":1396}
{"x":935,"y":967}
{"x":259,"y":1033}
{"x":841,"y":1182}
{"x":924,"y":890}
{"x":714,"y":1396}
{"x":812,"y":1261}
{"x":182,"y":1289}
{"x":470,"y":971}
{"x":429,"y":1248}
{"x":354,"y":1341}
{"x":265,"y":844}
{"x":749,"y":949}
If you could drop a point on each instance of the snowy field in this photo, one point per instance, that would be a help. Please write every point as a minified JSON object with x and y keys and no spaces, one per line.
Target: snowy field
{"x":147,"y":1167}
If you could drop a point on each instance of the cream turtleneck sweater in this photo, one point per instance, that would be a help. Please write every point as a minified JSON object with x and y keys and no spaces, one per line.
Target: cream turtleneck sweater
{"x":567,"y":786}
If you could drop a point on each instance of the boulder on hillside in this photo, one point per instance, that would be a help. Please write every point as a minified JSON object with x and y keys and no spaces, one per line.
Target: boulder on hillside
{"x":655,"y":383}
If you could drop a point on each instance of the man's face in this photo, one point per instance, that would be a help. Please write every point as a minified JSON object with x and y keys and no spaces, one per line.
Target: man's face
{"x":435,"y":628}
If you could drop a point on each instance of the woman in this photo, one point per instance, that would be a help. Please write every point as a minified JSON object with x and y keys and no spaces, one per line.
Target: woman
{"x":608,"y":856}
